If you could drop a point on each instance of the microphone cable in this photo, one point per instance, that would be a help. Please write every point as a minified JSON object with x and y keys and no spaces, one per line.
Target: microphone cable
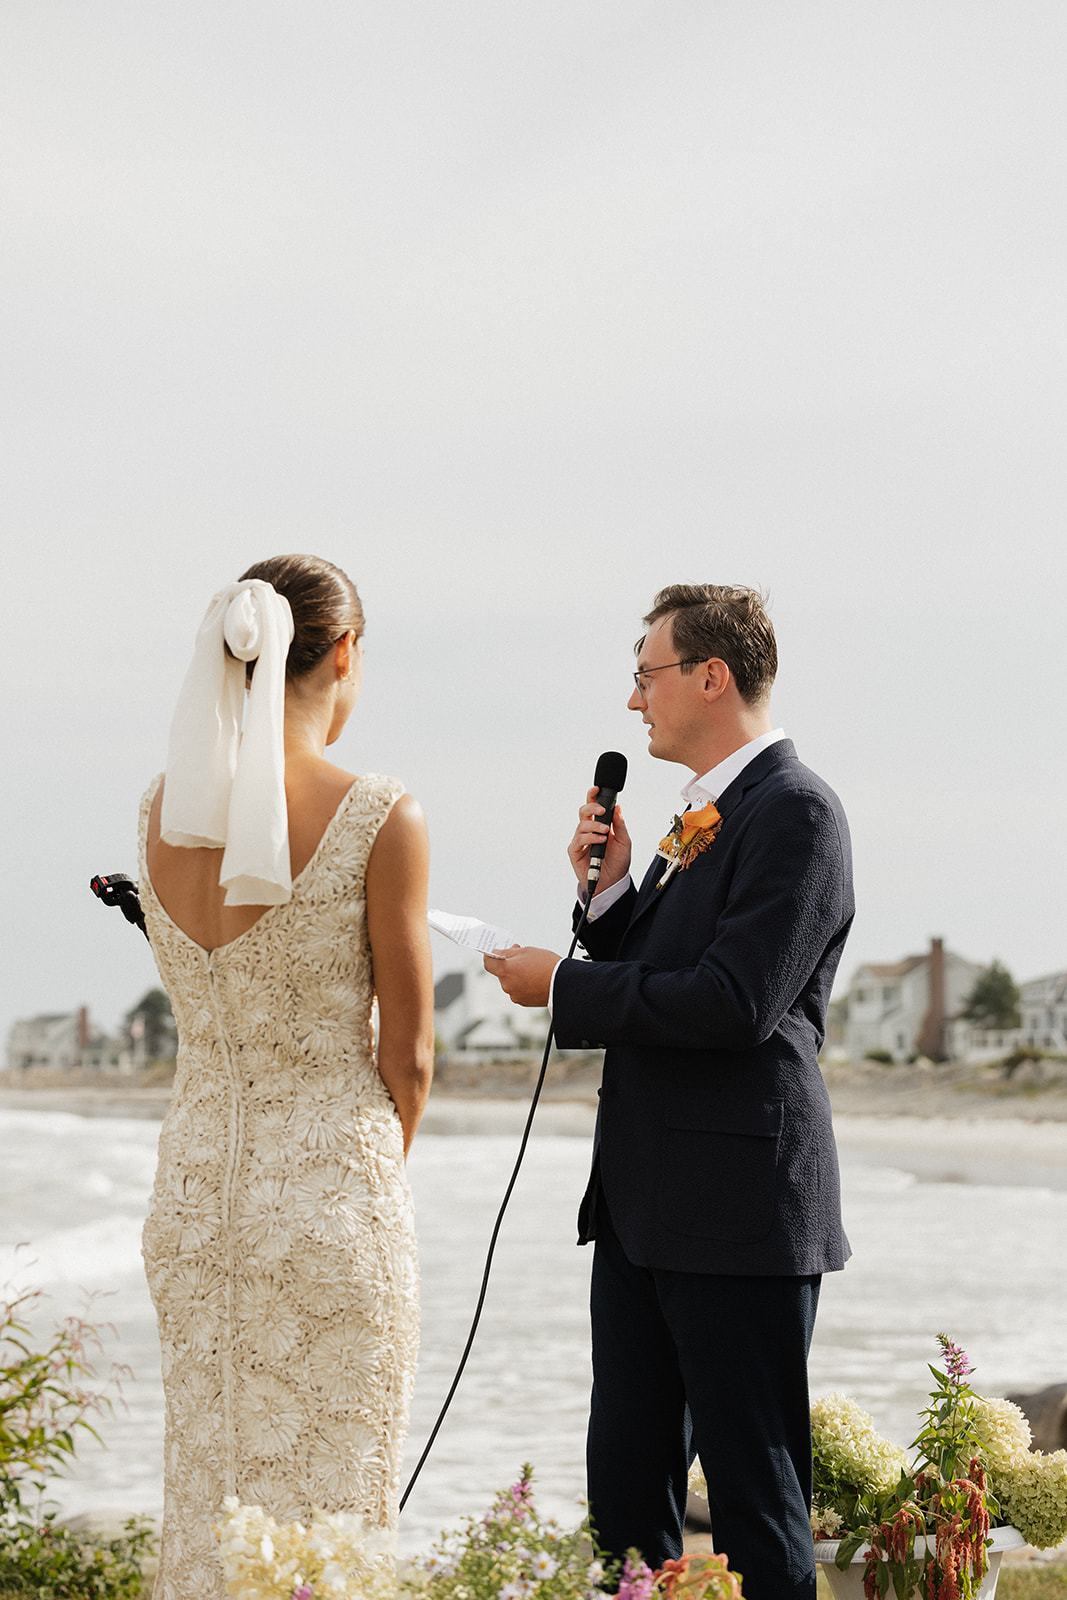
{"x":496,"y":1232}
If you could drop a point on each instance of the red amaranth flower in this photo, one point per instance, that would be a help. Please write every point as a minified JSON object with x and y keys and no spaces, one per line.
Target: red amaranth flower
{"x":673,"y":1573}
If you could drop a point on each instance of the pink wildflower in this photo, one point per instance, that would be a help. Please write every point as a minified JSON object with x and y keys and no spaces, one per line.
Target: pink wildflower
{"x":955,"y":1359}
{"x":521,"y":1493}
{"x":637,"y":1581}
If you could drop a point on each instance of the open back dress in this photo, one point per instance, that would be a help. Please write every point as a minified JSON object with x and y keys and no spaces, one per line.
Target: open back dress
{"x":279,"y":1244}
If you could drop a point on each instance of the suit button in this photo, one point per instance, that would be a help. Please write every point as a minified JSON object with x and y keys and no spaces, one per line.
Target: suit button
{"x":583,"y":1044}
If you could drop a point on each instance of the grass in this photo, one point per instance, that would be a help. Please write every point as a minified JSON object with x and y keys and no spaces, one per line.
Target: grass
{"x":1032,"y":1583}
{"x":1015,"y":1583}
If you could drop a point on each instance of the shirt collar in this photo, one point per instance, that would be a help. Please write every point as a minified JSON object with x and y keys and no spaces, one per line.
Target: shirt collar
{"x":698,"y":791}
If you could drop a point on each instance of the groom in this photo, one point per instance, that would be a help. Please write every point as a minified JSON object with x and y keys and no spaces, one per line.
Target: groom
{"x":713,"y":1197}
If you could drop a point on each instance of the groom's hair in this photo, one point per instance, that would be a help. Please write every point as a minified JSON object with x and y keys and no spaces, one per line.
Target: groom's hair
{"x":713,"y":619}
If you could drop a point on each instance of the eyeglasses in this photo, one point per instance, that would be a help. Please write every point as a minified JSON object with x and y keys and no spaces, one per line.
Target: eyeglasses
{"x":646,"y":672}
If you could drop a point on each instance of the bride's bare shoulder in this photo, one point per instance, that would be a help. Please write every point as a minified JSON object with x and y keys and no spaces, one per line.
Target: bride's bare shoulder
{"x":316,"y":786}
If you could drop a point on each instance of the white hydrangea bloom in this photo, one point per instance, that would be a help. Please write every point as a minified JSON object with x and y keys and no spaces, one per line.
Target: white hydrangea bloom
{"x":825,"y":1522}
{"x":1003,"y":1430}
{"x":845,"y":1437}
{"x":1032,"y":1490}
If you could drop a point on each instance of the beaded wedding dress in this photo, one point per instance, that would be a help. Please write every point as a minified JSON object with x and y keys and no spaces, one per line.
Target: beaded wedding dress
{"x":279,"y":1244}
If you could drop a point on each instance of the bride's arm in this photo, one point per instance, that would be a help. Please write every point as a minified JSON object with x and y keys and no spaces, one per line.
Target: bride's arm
{"x":397,"y":876}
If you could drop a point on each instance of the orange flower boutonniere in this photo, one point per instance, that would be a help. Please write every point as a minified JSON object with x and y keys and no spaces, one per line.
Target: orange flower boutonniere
{"x":690,"y":834}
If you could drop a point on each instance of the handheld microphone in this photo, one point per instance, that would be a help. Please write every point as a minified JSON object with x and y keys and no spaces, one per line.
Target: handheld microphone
{"x":609,"y":778}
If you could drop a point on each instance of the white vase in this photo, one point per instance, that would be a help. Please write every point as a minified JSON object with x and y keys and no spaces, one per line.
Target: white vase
{"x":848,"y":1585}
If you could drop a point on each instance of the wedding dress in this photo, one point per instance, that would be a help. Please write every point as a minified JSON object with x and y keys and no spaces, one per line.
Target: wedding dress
{"x":279,"y":1244}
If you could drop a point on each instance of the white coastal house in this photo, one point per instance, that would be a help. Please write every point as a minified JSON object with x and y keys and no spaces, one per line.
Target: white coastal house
{"x":65,"y":1041}
{"x":1042,"y":1024}
{"x":905,"y":1007}
{"x":1043,"y":1010}
{"x":472,"y":1013}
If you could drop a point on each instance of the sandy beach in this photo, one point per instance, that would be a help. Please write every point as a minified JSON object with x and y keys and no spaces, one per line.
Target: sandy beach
{"x":1035,"y":1093}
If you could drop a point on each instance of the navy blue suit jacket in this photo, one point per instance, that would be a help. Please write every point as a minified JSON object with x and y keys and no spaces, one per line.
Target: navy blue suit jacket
{"x":714,"y":1146}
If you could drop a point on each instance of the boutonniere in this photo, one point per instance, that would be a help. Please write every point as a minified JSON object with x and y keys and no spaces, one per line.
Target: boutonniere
{"x":689,"y":835}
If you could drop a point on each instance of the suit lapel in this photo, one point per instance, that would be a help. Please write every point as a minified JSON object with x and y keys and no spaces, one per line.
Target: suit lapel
{"x":762,"y":766}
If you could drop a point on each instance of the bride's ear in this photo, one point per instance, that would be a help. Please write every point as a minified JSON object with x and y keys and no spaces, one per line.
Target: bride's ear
{"x":344,"y":656}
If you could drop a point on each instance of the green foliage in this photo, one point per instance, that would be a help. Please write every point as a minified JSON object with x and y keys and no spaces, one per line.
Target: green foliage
{"x":160,"y":1032}
{"x":43,"y":1397}
{"x":884,"y":1057}
{"x":994,"y":1000}
{"x":44,"y":1561}
{"x":44,"y":1400}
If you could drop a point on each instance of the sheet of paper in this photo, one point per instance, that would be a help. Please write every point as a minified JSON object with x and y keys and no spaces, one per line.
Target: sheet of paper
{"x":469,"y":932}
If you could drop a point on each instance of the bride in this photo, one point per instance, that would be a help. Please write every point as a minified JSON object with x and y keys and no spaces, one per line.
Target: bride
{"x":282,"y":896}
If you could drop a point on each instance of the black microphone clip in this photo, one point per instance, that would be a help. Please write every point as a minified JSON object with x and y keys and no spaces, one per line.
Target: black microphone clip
{"x":117,"y":889}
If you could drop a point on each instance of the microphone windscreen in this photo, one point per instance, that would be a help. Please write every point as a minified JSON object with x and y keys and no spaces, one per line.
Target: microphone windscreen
{"x":610,"y":771}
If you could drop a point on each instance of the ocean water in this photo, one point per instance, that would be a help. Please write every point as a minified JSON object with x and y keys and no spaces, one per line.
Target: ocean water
{"x":937,"y":1246}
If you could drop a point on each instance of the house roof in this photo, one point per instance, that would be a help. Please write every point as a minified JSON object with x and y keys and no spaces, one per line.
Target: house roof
{"x":1053,"y":987}
{"x":894,"y":969}
{"x":447,"y":989}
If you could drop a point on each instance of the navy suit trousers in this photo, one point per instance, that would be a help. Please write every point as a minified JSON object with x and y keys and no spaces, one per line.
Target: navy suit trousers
{"x":691,"y":1363}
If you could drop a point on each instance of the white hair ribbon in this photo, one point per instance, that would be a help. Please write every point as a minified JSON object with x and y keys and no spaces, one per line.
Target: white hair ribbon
{"x":225,"y":787}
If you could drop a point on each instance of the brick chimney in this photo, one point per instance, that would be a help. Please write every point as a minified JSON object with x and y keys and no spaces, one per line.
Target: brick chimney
{"x":931,"y":1040}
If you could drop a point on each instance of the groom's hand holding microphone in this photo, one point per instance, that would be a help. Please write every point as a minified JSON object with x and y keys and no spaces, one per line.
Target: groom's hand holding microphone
{"x":600,"y":854}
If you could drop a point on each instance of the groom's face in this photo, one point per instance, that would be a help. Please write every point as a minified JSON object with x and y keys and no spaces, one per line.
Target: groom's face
{"x":671,"y":702}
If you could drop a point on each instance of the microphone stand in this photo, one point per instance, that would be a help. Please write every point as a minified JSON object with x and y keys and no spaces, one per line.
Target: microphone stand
{"x":496,"y":1230}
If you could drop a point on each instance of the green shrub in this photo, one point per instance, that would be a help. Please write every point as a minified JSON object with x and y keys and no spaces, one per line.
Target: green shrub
{"x":1019,"y":1058}
{"x":885,"y":1057}
{"x":44,"y":1561}
{"x":43,"y":1395}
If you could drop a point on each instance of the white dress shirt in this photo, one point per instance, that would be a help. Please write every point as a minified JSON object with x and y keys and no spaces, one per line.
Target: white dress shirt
{"x":696,"y":793}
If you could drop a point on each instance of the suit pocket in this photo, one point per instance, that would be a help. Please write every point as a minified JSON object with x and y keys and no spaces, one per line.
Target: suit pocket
{"x":721,"y":1170}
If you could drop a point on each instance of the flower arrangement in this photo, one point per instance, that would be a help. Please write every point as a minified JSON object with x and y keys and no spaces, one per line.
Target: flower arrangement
{"x":511,"y":1553}
{"x":333,"y":1559}
{"x":972,"y":1461}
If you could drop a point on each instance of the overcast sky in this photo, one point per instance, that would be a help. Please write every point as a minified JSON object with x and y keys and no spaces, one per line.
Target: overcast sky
{"x":518,"y":312}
